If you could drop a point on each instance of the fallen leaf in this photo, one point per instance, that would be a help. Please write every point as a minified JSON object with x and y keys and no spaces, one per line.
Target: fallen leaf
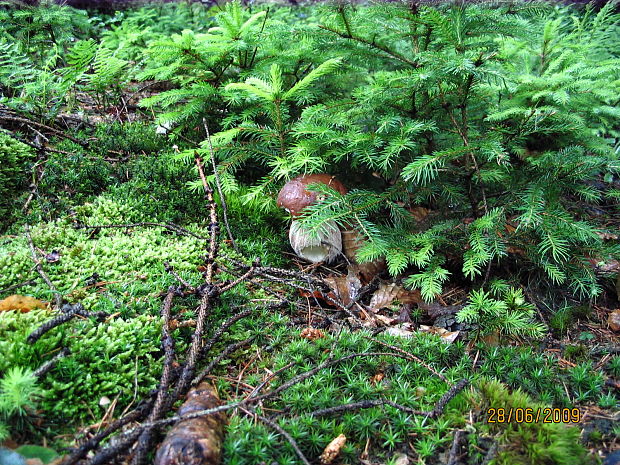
{"x":419,"y":213}
{"x":333,"y":449}
{"x":386,"y":320}
{"x":53,"y":256}
{"x":23,"y":303}
{"x":446,"y":336}
{"x":377,"y":378}
{"x":613,"y":320}
{"x":388,"y":293}
{"x":607,"y":236}
{"x":401,"y":459}
{"x":401,"y":330}
{"x":435,"y":309}
{"x":405,"y":315}
{"x":351,"y":242}
{"x":345,"y":288}
{"x":311,"y":334}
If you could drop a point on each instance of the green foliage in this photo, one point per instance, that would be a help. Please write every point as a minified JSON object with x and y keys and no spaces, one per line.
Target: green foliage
{"x":510,"y":315}
{"x":120,"y":358}
{"x":19,"y":394}
{"x":529,"y":443}
{"x":540,"y":376}
{"x":16,"y":158}
{"x":404,"y":382}
{"x":564,"y":318}
{"x":33,"y":43}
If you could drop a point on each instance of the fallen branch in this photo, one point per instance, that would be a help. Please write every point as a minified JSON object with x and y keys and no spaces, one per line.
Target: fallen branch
{"x":69,"y":312}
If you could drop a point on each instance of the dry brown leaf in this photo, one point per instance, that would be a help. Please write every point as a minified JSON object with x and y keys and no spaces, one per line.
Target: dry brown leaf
{"x":388,"y":293}
{"x":386,"y":320}
{"x":23,"y":303}
{"x":419,"y":213}
{"x":516,"y":251}
{"x":345,"y":288}
{"x":607,"y":236}
{"x":351,"y":242}
{"x":446,"y":336}
{"x":613,"y":320}
{"x":401,"y":459}
{"x":377,"y":378}
{"x":403,"y":330}
{"x":333,"y":449}
{"x":311,"y":334}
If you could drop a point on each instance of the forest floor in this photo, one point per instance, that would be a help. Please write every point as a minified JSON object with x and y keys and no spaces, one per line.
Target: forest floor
{"x":125,"y":292}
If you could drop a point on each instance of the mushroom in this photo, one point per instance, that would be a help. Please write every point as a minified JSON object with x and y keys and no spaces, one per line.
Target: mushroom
{"x":294,"y":198}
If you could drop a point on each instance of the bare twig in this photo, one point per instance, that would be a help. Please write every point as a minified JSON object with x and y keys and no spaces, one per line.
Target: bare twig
{"x":56,"y":132}
{"x":47,"y":366}
{"x":17,"y":286}
{"x":454,"y":450}
{"x":411,"y":356}
{"x":219,"y":188}
{"x":69,"y":312}
{"x":41,"y":271}
{"x":170,"y":226}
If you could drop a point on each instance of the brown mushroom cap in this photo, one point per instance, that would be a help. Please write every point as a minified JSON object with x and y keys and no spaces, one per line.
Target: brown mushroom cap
{"x":294,"y":196}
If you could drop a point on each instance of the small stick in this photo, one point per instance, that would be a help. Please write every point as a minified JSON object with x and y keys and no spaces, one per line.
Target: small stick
{"x":454,"y":450}
{"x":413,"y":357}
{"x":170,"y":226}
{"x":41,"y":271}
{"x":17,"y":286}
{"x":219,"y":187}
{"x":47,"y":366}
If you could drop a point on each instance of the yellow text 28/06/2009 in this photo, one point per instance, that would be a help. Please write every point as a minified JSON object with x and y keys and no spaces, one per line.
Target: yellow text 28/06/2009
{"x":533,"y":415}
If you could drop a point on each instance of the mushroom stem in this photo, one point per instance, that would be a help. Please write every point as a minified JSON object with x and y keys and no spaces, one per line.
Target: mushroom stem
{"x":322,"y":247}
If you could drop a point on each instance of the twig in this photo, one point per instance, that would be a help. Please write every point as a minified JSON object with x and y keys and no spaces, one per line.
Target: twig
{"x":434,"y":413}
{"x":223,"y":327}
{"x":225,"y":353}
{"x":219,"y":188}
{"x":170,"y":226}
{"x":144,"y":441}
{"x":136,"y":415}
{"x":41,"y":271}
{"x":47,"y":366}
{"x":170,"y":269}
{"x":43,"y":126}
{"x":454,"y":450}
{"x":411,"y":356}
{"x":16,"y":286}
{"x":68,"y":313}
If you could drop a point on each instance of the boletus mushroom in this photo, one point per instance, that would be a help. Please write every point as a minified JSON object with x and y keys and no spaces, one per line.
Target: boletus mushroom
{"x":294,"y":198}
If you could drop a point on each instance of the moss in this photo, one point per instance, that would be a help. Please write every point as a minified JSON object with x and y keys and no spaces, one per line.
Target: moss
{"x":527,"y":443}
{"x":15,"y":158}
{"x":564,"y":319}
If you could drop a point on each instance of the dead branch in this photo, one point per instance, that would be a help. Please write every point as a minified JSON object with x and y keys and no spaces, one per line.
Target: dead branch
{"x":56,"y":132}
{"x":17,"y":286}
{"x":434,"y":413}
{"x":411,"y":356}
{"x":47,"y":366}
{"x":69,"y":312}
{"x":219,"y":188}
